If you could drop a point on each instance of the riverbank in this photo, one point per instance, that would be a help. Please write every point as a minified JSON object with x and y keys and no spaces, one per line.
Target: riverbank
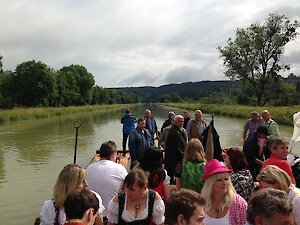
{"x":282,"y":115}
{"x":19,"y":114}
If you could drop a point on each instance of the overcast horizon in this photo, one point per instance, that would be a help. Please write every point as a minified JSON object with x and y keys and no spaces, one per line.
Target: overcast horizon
{"x":131,"y":43}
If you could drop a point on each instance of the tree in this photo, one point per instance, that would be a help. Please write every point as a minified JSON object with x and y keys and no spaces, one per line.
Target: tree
{"x":33,"y":84}
{"x":254,"y":56}
{"x":1,"y":57}
{"x":84,"y":80}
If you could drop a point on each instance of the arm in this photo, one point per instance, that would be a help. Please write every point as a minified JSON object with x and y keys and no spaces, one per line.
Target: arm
{"x":158,"y":210}
{"x":288,"y":169}
{"x":188,"y":129}
{"x":113,"y":211}
{"x":167,"y":192}
{"x":132,"y":146}
{"x":274,"y":128}
{"x":99,"y":220}
{"x":244,"y":135}
{"x":178,"y":186}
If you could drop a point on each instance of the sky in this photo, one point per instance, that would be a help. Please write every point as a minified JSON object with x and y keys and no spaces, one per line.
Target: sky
{"x":130,"y":43}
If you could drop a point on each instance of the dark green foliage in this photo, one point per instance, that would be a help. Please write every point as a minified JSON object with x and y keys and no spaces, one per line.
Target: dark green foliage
{"x":186,"y":91}
{"x":81,"y":83}
{"x":34,"y":84}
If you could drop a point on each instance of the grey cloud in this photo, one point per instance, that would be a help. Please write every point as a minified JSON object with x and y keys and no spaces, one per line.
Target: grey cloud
{"x":185,"y":74}
{"x":144,"y":78}
{"x":116,"y":39}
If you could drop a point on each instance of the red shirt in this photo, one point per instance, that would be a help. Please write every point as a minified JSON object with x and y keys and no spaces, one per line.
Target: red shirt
{"x":281,"y":163}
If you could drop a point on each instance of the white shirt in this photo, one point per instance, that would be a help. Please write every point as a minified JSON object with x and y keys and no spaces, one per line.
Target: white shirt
{"x":48,"y":213}
{"x":294,"y":195}
{"x":106,"y":178}
{"x":217,"y":221}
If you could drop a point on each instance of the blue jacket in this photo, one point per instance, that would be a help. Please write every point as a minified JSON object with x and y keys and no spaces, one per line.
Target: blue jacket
{"x":138,"y":143}
{"x":128,"y":122}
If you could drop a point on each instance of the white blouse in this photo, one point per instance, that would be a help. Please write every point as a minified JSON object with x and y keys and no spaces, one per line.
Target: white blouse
{"x":157,"y":215}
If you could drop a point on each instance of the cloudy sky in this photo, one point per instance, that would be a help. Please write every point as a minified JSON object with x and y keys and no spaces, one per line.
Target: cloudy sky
{"x":133,"y":42}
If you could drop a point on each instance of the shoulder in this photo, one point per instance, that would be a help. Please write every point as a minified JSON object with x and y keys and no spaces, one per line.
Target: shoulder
{"x":157,"y":197}
{"x":239,"y":202}
{"x":121,"y":169}
{"x":48,"y":205}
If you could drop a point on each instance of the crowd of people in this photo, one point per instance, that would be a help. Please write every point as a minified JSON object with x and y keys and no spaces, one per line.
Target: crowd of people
{"x":175,"y":182}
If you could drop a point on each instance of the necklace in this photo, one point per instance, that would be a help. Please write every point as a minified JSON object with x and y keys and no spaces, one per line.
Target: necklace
{"x":137,"y":207}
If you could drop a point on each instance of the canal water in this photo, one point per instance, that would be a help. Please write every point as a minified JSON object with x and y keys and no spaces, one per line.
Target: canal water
{"x":32,"y":153}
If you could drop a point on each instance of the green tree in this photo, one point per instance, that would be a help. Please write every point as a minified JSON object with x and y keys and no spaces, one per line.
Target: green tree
{"x":33,"y":84}
{"x":84,"y":80}
{"x":6,"y":89}
{"x":1,"y":65}
{"x":254,"y":56}
{"x":68,"y":90}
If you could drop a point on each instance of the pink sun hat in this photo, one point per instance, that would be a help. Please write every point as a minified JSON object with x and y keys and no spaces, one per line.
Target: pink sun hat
{"x":214,"y":166}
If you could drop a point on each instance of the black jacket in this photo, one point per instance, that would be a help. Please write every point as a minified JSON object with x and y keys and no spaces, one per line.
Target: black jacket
{"x":175,"y":144}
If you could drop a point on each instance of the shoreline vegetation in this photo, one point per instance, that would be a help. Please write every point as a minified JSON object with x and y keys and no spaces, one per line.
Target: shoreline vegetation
{"x":282,"y":115}
{"x":19,"y":114}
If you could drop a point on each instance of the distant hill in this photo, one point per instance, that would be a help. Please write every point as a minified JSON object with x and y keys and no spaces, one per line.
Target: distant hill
{"x":191,"y":90}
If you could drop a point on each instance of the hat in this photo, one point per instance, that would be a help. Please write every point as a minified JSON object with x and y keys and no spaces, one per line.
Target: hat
{"x":214,"y":166}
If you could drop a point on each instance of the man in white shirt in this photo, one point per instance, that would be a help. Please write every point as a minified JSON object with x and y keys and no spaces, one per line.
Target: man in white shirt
{"x":106,"y":176}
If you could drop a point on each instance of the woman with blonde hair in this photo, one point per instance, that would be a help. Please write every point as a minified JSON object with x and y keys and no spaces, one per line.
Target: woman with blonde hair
{"x":192,"y":168}
{"x":223,"y":205}
{"x":71,"y":178}
{"x":274,"y":177}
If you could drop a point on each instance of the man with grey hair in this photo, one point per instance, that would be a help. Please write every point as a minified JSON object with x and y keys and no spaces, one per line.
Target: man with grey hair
{"x":279,"y":151}
{"x":196,"y":126}
{"x":164,"y":134}
{"x":175,"y":144}
{"x":150,"y":123}
{"x":252,"y":124}
{"x":270,"y":207}
{"x":272,"y":126}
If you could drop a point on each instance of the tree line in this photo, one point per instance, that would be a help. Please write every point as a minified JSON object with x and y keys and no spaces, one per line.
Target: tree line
{"x":34,"y":84}
{"x":224,"y":92}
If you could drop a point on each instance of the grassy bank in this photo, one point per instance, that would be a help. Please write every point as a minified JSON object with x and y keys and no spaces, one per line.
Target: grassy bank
{"x":19,"y":114}
{"x":282,"y":115}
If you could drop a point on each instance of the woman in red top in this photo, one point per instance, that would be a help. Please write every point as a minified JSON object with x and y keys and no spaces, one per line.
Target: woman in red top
{"x":158,"y":179}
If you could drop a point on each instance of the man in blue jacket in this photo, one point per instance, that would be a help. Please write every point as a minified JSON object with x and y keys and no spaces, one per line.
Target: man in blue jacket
{"x":128,"y":121}
{"x":140,"y":139}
